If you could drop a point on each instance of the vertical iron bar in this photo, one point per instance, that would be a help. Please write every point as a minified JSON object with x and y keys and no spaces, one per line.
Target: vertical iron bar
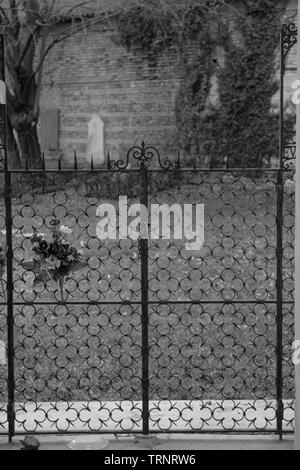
{"x":108,"y":161}
{"x":75,"y":161}
{"x":59,"y":162}
{"x":9,"y":263}
{"x":10,"y":310}
{"x":279,"y":316}
{"x":178,"y":160}
{"x":145,"y":313}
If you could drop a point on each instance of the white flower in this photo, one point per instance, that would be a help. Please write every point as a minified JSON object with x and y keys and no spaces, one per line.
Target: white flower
{"x":64,"y":229}
{"x":53,"y":262}
{"x":82,"y":243}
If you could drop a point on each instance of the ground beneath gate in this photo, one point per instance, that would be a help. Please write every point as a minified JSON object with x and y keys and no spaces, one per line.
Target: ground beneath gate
{"x":167,"y":442}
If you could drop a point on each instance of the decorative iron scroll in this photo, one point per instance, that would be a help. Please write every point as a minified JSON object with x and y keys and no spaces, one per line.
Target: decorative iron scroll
{"x":288,"y":150}
{"x":143,"y":157}
{"x":289,"y":38}
{"x":289,"y":145}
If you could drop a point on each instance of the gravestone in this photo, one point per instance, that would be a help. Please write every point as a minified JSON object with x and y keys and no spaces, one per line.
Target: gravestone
{"x":95,"y":145}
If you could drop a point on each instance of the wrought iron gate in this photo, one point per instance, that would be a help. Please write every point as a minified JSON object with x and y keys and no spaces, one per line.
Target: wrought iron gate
{"x":150,"y":336}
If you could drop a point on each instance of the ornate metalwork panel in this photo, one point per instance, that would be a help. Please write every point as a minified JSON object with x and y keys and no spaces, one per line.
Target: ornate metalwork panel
{"x":149,"y":336}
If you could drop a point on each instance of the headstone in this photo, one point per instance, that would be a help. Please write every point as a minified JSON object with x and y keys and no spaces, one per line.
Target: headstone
{"x":95,"y":145}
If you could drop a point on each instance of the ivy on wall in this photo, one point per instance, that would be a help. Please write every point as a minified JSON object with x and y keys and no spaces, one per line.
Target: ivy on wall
{"x":241,"y":126}
{"x":244,"y":127}
{"x":192,"y":108}
{"x":140,"y":33}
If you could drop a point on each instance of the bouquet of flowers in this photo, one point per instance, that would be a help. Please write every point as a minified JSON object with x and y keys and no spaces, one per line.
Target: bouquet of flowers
{"x":54,"y":259}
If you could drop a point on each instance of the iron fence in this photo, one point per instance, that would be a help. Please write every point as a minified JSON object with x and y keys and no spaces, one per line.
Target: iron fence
{"x":148,"y":336}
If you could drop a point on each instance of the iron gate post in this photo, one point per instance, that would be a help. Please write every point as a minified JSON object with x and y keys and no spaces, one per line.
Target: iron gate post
{"x":10,"y":310}
{"x":279,"y":313}
{"x":288,"y":38}
{"x":9,"y":257}
{"x":144,"y":306}
{"x":279,"y":252}
{"x":297,"y":262}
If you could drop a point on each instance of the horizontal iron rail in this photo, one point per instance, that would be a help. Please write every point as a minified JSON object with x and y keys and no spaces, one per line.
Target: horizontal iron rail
{"x":158,"y":431}
{"x":151,"y":170}
{"x":156,"y":302}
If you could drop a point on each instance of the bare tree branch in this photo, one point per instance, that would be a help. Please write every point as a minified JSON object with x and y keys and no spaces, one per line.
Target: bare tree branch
{"x":68,"y":32}
{"x":3,"y":15}
{"x":32,"y":37}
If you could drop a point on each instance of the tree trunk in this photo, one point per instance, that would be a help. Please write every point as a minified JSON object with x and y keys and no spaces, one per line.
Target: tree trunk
{"x":14,"y":158}
{"x":30,"y":148}
{"x":25,"y":150}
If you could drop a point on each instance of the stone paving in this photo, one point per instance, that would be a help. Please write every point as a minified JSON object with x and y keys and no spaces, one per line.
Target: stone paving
{"x":165,"y":442}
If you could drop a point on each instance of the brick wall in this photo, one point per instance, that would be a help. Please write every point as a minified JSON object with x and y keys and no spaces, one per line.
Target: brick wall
{"x":91,"y":73}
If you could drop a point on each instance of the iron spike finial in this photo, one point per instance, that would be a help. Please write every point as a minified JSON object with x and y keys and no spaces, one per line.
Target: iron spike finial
{"x":178,"y":160}
{"x":108,"y":160}
{"x":227,"y":163}
{"x":75,"y":161}
{"x":143,"y":153}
